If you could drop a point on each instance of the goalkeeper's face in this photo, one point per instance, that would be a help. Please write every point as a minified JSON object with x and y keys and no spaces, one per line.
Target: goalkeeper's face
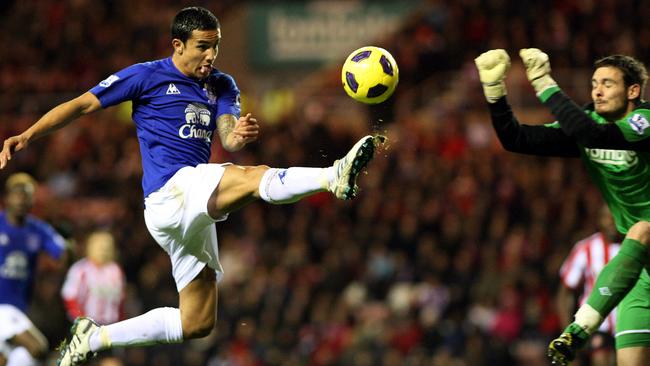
{"x":195,"y":56}
{"x":609,"y":93}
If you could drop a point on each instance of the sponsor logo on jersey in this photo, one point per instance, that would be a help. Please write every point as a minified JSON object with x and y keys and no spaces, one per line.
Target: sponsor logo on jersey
{"x":638,"y":123}
{"x":197,"y":123}
{"x":4,"y":239}
{"x":109,"y":80}
{"x":172,"y":90}
{"x":613,"y":157}
{"x":15,"y":266}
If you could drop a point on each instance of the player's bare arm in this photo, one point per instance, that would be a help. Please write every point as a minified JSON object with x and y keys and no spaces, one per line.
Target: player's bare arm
{"x":56,"y":118}
{"x":236,"y":133}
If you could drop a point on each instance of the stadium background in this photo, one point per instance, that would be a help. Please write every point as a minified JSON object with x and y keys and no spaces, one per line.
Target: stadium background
{"x":450,"y":254}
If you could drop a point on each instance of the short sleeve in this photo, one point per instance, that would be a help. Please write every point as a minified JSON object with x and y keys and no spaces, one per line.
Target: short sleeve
{"x":572,"y":270}
{"x":224,"y":88}
{"x":53,"y":243}
{"x":126,"y":84}
{"x":72,"y":283}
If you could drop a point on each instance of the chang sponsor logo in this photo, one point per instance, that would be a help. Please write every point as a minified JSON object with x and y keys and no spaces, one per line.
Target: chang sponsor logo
{"x":613,"y":157}
{"x":197,"y":123}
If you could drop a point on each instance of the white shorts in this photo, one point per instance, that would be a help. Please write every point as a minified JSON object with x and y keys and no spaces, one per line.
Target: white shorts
{"x":177,"y":218}
{"x":13,"y":322}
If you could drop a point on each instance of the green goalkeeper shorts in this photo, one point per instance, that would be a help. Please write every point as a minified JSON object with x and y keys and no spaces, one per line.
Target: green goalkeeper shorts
{"x":633,"y":316}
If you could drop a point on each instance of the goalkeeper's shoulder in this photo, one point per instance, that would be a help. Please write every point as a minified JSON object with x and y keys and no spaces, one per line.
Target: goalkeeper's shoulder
{"x":635,"y":126}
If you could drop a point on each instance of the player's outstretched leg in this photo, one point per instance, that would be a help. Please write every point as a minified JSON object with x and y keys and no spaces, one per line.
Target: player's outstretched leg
{"x":241,"y":185}
{"x":347,"y":169}
{"x":562,"y":350}
{"x":77,"y":349}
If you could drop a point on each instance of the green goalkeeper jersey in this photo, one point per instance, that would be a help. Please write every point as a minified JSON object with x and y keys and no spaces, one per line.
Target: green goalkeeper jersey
{"x":623,"y":176}
{"x":616,"y":154}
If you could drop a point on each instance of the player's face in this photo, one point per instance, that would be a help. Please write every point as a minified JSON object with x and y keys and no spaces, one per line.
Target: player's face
{"x":19,"y":200}
{"x":198,"y":53}
{"x":609,"y":94}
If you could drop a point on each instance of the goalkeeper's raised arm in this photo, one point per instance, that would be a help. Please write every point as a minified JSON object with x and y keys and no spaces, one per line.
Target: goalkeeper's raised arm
{"x":617,"y":118}
{"x":515,"y":137}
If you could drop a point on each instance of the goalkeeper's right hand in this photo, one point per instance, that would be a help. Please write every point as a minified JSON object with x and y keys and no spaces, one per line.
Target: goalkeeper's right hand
{"x":538,"y":69}
{"x":492,"y":67}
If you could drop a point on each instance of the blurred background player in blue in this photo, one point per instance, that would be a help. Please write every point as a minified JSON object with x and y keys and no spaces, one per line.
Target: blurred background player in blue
{"x":23,"y":238}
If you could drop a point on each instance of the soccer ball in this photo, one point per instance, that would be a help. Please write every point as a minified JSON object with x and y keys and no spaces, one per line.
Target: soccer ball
{"x":370,"y":75}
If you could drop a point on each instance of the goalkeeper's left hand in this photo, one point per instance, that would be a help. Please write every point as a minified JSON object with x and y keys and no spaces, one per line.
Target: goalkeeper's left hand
{"x":538,"y":68}
{"x":492,"y":68}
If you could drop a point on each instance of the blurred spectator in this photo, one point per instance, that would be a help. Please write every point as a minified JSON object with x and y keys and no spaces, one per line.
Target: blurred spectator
{"x":95,"y":285}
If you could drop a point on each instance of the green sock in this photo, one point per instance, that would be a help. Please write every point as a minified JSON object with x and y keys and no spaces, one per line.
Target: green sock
{"x":618,"y":277}
{"x":579,"y":334}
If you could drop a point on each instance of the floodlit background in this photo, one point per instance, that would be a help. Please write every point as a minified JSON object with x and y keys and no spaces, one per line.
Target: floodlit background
{"x":450,"y":254}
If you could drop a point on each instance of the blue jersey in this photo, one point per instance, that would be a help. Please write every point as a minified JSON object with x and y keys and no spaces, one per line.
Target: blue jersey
{"x":175,"y":115}
{"x":19,"y":249}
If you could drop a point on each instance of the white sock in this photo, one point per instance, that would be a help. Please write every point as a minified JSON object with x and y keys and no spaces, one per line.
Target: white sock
{"x":161,"y":325}
{"x":588,"y":318}
{"x":19,"y":356}
{"x":281,"y":186}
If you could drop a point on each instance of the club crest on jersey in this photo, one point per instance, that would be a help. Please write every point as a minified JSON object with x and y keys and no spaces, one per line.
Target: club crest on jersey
{"x":212,"y":98}
{"x":638,"y":123}
{"x":109,"y":80}
{"x":33,"y":242}
{"x":197,"y":123}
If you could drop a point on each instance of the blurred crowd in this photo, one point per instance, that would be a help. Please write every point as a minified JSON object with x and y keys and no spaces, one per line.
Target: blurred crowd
{"x":449,"y":256}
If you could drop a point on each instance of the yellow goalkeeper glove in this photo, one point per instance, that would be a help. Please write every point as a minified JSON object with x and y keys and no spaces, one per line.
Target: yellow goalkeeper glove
{"x":492,"y":68}
{"x":538,"y":68}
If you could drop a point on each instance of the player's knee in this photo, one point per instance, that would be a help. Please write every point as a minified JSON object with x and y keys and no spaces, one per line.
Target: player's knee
{"x":255,"y":173}
{"x":640,"y":232}
{"x":248,"y":177}
{"x":250,"y":180}
{"x":198,"y":328}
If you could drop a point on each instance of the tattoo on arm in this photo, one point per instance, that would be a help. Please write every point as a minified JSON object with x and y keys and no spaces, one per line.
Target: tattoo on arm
{"x":225,"y":125}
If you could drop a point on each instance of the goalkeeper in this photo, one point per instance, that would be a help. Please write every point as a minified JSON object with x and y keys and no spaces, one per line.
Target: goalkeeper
{"x":611,"y":135}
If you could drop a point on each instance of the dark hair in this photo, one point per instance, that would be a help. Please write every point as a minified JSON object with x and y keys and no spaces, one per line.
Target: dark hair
{"x":190,"y":19}
{"x":634,"y":72}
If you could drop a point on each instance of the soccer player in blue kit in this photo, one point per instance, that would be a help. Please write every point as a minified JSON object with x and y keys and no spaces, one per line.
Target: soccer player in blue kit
{"x":22,"y":238}
{"x":178,"y":102}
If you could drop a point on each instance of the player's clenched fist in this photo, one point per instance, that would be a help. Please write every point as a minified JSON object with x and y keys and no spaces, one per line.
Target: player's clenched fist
{"x":492,"y":68}
{"x":538,"y":68}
